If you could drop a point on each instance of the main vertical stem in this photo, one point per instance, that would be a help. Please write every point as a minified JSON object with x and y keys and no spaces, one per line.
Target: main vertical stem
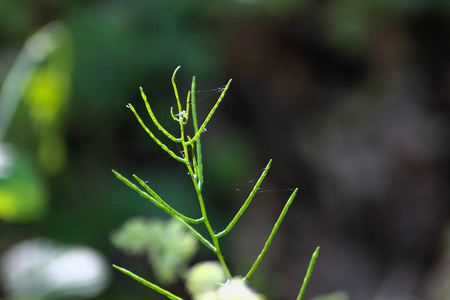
{"x":198,"y":182}
{"x":212,"y":234}
{"x":198,"y":144}
{"x":202,"y":207}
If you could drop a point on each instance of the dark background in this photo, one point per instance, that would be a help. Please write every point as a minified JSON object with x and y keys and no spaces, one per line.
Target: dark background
{"x":349,"y":98}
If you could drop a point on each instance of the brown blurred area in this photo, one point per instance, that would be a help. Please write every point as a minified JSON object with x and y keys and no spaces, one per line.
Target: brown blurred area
{"x":364,"y":135}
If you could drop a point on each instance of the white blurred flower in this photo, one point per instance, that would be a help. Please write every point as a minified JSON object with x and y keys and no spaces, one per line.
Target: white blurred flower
{"x":205,"y":276}
{"x":40,"y":267}
{"x":234,"y":289}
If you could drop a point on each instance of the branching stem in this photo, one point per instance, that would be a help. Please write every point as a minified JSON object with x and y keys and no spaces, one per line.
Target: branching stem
{"x":192,"y":158}
{"x":308,"y":273}
{"x":272,"y":234}
{"x":247,"y":202}
{"x":148,"y":284}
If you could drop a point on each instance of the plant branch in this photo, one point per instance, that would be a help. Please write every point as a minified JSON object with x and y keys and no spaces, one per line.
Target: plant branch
{"x":308,"y":273}
{"x":138,"y":190}
{"x":166,"y":207}
{"x":152,"y":115}
{"x":176,"y":89}
{"x":198,"y":144}
{"x":148,"y":284}
{"x":247,"y":202}
{"x":164,"y":147}
{"x":198,"y":235}
{"x":274,"y":230}
{"x":200,"y":130}
{"x":194,"y":165}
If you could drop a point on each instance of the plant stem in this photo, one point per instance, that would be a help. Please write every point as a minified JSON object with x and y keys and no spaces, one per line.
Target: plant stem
{"x":272,"y":234}
{"x":194,"y":166}
{"x":175,"y":88}
{"x":148,"y":284}
{"x":308,"y":273}
{"x":215,"y":240}
{"x":196,"y":178}
{"x":153,"y":117}
{"x":247,"y":202}
{"x":202,"y":128}
{"x":166,"y":207}
{"x":198,"y":144}
{"x":157,"y":141}
{"x":198,"y":235}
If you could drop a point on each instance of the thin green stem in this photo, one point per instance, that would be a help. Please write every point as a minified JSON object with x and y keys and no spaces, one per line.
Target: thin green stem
{"x":197,"y":174}
{"x":135,"y":188}
{"x":183,"y":219}
{"x":215,"y":240}
{"x":150,"y":191}
{"x":221,"y":258}
{"x":202,"y":128}
{"x":156,"y":200}
{"x":187,"y":108}
{"x":272,"y":234}
{"x":247,"y":202}
{"x":152,"y":115}
{"x":308,"y":273}
{"x":198,"y":235}
{"x":164,"y":147}
{"x":194,"y":163}
{"x":195,"y":179}
{"x":198,"y":144}
{"x":167,"y":208}
{"x":176,"y":89}
{"x":194,"y":166}
{"x":173,"y":116}
{"x":148,"y":284}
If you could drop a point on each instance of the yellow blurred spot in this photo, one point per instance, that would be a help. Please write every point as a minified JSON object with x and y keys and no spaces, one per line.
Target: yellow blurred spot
{"x":8,"y":209}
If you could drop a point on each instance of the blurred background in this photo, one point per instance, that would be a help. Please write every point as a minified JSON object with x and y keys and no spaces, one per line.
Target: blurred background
{"x":350,"y":99}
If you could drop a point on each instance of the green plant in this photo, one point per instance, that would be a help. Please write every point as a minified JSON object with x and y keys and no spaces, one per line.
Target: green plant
{"x":192,"y":159}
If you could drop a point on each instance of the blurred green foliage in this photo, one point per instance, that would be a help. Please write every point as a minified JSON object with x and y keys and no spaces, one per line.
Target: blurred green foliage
{"x":41,"y":76}
{"x":167,"y":243}
{"x":23,"y":194}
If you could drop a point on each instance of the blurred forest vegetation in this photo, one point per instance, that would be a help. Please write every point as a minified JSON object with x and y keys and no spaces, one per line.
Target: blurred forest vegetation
{"x":351,"y":99}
